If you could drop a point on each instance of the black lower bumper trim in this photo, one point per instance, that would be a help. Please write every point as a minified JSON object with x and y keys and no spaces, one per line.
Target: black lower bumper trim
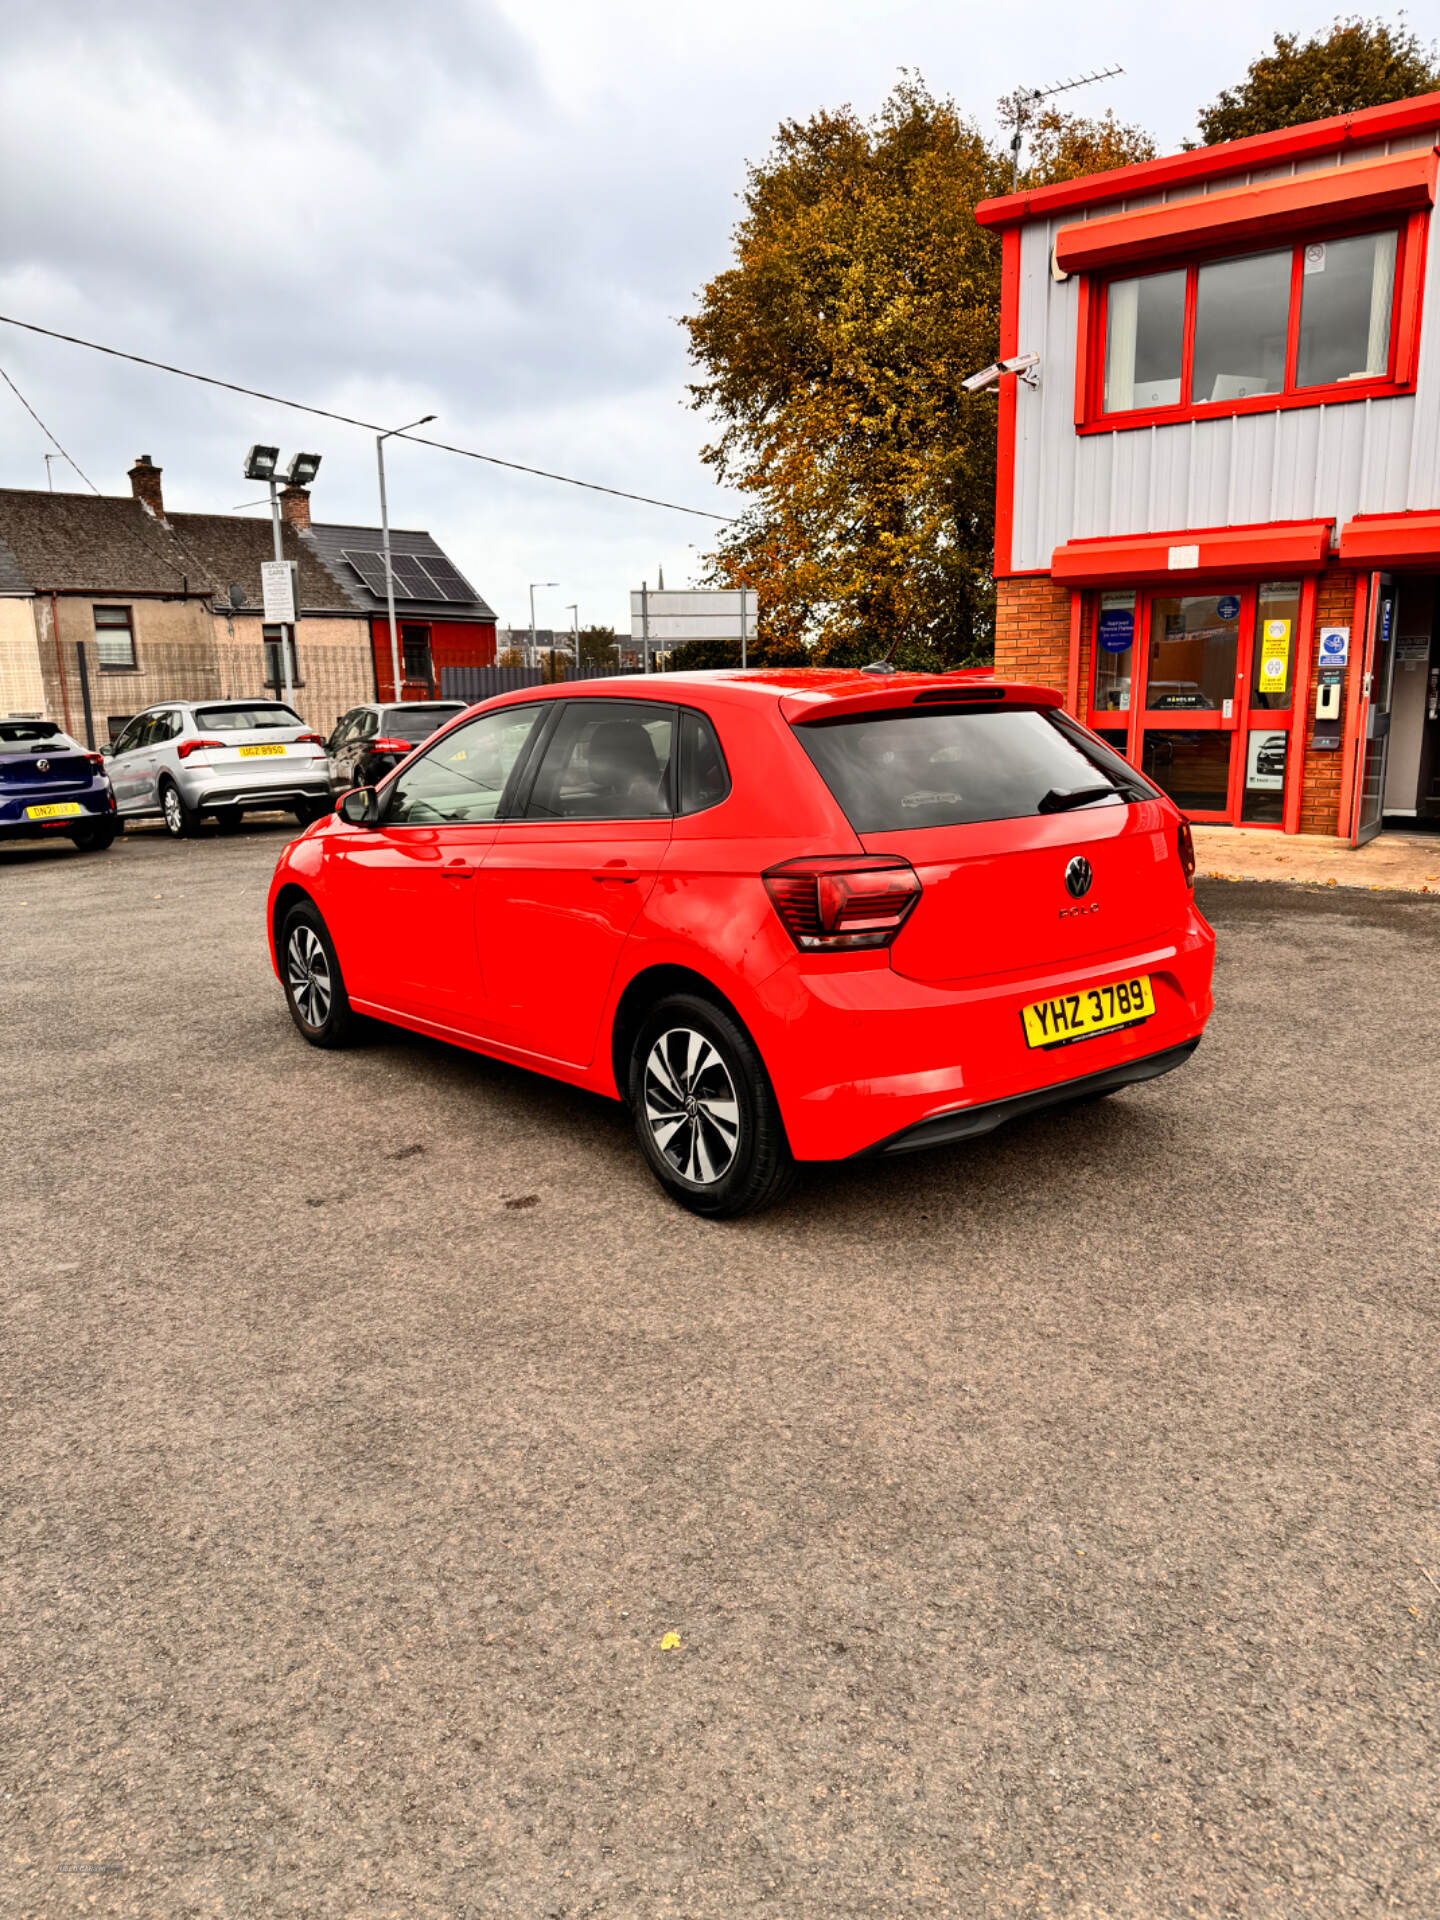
{"x":966,"y":1123}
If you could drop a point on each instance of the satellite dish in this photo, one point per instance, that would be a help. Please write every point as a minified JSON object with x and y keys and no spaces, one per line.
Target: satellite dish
{"x":237,"y":596}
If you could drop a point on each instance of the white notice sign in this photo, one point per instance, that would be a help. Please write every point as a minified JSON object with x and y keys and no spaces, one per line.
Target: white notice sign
{"x":277,"y":581}
{"x":1184,"y":557}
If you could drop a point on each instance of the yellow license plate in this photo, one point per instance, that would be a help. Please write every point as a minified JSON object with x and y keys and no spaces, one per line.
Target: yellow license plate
{"x":1075,"y":1016}
{"x":57,"y":810}
{"x":254,"y":753}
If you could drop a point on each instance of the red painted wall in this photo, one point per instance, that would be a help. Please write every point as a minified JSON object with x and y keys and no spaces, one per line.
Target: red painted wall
{"x":453,"y":643}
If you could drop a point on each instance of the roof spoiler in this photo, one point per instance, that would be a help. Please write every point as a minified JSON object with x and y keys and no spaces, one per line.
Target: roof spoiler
{"x":802,"y":709}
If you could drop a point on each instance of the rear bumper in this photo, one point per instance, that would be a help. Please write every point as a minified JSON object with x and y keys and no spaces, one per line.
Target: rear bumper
{"x":97,"y":805}
{"x":254,"y":793}
{"x":862,"y":1058}
{"x":967,"y":1123}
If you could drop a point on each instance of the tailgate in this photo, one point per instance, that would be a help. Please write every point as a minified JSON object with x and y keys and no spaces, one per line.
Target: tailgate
{"x":994,"y":897}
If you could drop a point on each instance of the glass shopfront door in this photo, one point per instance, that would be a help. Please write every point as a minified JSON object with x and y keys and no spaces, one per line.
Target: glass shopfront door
{"x":1202,"y":685}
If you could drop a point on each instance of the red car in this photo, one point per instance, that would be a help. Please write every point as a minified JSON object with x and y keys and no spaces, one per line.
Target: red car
{"x":784,"y":915}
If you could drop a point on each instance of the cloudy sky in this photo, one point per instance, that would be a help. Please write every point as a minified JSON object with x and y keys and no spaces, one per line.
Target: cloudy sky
{"x":493,"y":210}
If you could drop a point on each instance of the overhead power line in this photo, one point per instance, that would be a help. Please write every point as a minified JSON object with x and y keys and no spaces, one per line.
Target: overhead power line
{"x":369,"y":426}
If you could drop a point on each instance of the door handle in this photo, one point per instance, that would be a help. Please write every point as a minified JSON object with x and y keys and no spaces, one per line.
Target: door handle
{"x":458,"y":870}
{"x":617,"y":875}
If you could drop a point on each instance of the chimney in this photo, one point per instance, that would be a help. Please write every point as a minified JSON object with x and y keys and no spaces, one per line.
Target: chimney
{"x":295,"y":507}
{"x":145,"y":485}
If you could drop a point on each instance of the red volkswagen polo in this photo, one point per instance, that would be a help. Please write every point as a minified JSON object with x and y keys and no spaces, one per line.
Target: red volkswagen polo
{"x":785,"y":916}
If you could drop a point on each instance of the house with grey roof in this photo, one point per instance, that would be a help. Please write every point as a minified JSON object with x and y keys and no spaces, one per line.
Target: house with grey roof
{"x":110,"y":604}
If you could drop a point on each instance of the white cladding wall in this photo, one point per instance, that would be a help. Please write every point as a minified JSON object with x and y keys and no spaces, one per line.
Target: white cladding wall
{"x":1303,"y":463}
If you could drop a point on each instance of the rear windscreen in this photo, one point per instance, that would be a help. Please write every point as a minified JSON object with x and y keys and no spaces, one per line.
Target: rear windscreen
{"x":24,"y":736}
{"x":415,"y":722}
{"x":924,"y":769}
{"x":244,"y":719}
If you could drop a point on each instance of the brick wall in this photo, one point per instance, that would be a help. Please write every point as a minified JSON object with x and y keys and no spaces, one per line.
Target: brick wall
{"x":1320,"y":780}
{"x":1032,"y":631}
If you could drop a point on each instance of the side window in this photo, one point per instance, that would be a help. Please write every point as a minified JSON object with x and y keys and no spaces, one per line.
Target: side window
{"x":704,"y":777}
{"x":462,"y":778}
{"x":367,"y":725}
{"x":130,"y":738}
{"x":606,"y":760}
{"x":340,"y":732}
{"x":167,"y":726}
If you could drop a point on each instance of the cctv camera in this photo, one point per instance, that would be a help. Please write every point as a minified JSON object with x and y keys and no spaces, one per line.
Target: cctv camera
{"x":1021,"y":363}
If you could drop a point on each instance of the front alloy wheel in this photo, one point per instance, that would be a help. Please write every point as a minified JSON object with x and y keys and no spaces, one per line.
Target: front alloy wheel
{"x":705,"y":1112}
{"x":314,"y":989}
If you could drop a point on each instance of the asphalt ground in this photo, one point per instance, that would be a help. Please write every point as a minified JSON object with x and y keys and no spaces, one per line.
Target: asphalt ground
{"x":1048,"y":1525}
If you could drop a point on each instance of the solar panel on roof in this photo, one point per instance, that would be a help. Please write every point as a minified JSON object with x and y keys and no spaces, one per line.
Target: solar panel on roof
{"x":370,"y":567}
{"x":412,"y":578}
{"x":448,"y":578}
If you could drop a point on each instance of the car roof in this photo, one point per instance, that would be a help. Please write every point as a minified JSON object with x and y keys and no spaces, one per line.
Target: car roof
{"x":799,"y":691}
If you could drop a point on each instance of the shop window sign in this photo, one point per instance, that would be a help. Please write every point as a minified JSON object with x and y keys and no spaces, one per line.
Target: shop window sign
{"x":1117,"y":628}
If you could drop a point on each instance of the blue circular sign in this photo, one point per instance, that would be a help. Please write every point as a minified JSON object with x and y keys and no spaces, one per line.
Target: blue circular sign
{"x":1228,"y":608}
{"x":1116,"y":629}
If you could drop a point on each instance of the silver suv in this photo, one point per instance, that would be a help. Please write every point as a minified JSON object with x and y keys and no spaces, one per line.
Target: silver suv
{"x":185,"y":758}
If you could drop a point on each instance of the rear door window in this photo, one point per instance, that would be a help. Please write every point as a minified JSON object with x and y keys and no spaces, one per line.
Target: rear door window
{"x":704,"y":777}
{"x":606,"y":760}
{"x":913,"y":768}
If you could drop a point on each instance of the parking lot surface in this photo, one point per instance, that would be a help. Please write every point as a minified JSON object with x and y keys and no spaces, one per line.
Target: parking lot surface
{"x":1047,"y":1526}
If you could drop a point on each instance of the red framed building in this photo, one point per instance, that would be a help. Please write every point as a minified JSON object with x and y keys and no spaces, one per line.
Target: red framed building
{"x":441,"y":621}
{"x":1218,"y":509}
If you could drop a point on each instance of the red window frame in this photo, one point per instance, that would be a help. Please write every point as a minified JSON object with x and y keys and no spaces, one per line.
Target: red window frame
{"x":1398,"y":378}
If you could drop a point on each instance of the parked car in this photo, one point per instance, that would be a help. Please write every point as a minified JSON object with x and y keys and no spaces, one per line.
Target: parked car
{"x":184,"y":759}
{"x":786,"y":916}
{"x":53,"y":788}
{"x":368,"y":741}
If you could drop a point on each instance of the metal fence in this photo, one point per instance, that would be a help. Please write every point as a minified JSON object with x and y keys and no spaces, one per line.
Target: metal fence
{"x":483,"y":683}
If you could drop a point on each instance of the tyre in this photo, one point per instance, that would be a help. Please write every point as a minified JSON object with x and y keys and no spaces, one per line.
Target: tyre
{"x":309,"y":811}
{"x":314,"y":986}
{"x":228,"y":819}
{"x":180,"y":820}
{"x":705,"y":1112}
{"x":97,"y":838}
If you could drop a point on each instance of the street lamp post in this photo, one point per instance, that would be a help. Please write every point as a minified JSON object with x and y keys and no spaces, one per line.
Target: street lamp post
{"x":574,"y":612}
{"x":380,"y":440}
{"x":260,"y":464}
{"x":533,"y":584}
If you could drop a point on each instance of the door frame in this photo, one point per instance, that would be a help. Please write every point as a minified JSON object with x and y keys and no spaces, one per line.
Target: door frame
{"x":1382,"y":602}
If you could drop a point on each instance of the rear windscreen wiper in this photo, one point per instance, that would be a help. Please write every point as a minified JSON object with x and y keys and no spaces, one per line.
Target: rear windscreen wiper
{"x":1056,"y":801}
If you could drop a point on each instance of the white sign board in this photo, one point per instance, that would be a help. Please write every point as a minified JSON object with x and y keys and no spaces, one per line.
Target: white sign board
{"x":696,"y":614}
{"x":277,"y":581}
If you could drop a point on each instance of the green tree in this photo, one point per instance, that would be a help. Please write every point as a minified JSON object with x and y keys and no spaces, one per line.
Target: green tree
{"x":597,"y":646}
{"x":1358,"y":63}
{"x":831,"y":354}
{"x":1065,"y":146}
{"x":693,"y":656}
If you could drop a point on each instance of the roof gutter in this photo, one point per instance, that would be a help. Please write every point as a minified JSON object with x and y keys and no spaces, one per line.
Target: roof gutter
{"x":1369,"y":125}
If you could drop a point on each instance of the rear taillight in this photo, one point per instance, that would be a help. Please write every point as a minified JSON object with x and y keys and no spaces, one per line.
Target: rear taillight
{"x":309,"y":740}
{"x":1185,"y":847}
{"x":95,"y":759}
{"x":392,"y":746}
{"x":837,"y":902}
{"x":187,"y":747}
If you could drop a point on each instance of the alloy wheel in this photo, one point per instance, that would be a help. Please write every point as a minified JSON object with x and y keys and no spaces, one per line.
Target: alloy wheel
{"x":174,"y":817}
{"x":308,"y":973}
{"x":690,"y":1105}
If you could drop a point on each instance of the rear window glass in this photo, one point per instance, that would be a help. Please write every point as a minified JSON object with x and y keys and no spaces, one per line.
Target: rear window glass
{"x":415,"y":722}
{"x":919,"y":769}
{"x":244,"y":719}
{"x":22,"y":736}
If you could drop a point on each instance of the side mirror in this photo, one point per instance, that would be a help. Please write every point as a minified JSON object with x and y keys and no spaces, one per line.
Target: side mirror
{"x":360,"y":807}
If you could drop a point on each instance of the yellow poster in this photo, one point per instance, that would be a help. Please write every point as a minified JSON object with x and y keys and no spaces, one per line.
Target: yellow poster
{"x":1275,"y":656}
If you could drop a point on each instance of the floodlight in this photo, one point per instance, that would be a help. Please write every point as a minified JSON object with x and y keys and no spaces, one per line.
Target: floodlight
{"x":303,"y":469}
{"x":260,"y":463}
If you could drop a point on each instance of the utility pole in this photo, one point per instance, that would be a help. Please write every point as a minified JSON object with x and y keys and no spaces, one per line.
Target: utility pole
{"x":287,"y":633}
{"x":744,"y":641}
{"x":380,"y":439}
{"x":49,"y":475}
{"x":645,"y":626}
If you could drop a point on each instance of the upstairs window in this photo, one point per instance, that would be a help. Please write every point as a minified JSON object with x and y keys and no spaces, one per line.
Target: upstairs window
{"x":114,"y":640}
{"x":1290,"y":324}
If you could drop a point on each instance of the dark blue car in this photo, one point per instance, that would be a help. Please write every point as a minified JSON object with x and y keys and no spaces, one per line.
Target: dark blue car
{"x":51,"y":788}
